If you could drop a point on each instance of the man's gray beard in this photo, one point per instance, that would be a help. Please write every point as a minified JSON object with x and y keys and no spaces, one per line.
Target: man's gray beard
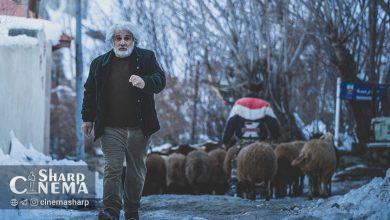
{"x":123,"y":54}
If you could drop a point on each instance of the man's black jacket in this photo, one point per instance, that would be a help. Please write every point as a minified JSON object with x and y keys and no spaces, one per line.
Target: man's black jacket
{"x":142,"y":63}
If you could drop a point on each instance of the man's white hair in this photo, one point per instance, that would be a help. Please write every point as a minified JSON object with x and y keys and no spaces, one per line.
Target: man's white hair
{"x":126,"y":26}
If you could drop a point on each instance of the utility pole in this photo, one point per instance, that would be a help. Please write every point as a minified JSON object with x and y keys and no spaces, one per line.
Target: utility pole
{"x":79,"y":84}
{"x":337,"y":116}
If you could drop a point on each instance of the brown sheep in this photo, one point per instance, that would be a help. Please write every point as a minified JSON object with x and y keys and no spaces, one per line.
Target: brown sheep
{"x":227,"y":163}
{"x":155,"y":180}
{"x":197,"y":171}
{"x":318,"y":160}
{"x":219,"y":179}
{"x":165,"y":157}
{"x":184,"y":149}
{"x":288,"y":178}
{"x":256,"y":167}
{"x":298,"y":144}
{"x":176,"y":179}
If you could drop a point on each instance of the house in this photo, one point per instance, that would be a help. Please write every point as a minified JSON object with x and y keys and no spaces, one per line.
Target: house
{"x":25,"y":80}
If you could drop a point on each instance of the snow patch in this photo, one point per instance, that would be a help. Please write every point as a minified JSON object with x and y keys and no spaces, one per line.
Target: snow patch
{"x":20,"y":40}
{"x":161,"y":149}
{"x":64,"y":92}
{"x":21,"y":155}
{"x":350,"y":168}
{"x":67,"y":63}
{"x":346,"y":141}
{"x":316,"y":126}
{"x":371,"y":201}
{"x":52,"y":32}
{"x":300,"y":123}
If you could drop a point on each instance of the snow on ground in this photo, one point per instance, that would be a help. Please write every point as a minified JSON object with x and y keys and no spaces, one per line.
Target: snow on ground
{"x":371,"y":201}
{"x":161,"y":149}
{"x":21,"y":155}
{"x":191,"y":207}
{"x":45,"y":214}
{"x":177,"y":207}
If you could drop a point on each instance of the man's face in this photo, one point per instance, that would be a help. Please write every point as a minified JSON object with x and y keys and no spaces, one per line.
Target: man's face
{"x":123,"y":40}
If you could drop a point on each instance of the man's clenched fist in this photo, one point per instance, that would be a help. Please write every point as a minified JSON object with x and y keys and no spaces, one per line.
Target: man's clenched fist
{"x":137,"y":81}
{"x":87,"y":128}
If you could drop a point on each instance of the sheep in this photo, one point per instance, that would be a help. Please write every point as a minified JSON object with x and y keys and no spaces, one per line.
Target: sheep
{"x":176,"y":179}
{"x":328,"y":137}
{"x":227,"y":163}
{"x":197,"y":171}
{"x":318,"y":160}
{"x":165,"y":158}
{"x":287,"y":177}
{"x":256,"y":167}
{"x":155,"y":180}
{"x":184,"y":149}
{"x":298,"y":144}
{"x":218,"y":175}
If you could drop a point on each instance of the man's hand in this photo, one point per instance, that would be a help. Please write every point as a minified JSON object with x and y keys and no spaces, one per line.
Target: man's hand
{"x":137,"y":81}
{"x":87,"y":128}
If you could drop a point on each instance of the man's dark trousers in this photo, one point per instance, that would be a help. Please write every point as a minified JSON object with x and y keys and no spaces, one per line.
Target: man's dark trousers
{"x":117,"y":144}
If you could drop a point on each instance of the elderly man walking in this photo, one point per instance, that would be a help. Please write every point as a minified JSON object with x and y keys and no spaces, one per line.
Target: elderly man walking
{"x":119,"y":107}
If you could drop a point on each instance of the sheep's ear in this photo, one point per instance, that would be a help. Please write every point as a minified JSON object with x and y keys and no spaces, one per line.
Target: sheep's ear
{"x":298,"y":161}
{"x":327,"y":137}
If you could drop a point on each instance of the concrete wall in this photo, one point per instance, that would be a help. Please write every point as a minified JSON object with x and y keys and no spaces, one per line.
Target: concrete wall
{"x":25,"y":93}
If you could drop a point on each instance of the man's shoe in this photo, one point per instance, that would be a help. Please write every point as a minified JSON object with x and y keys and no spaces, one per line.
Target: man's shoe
{"x":232,"y":191}
{"x":107,"y":214}
{"x":132,"y":215}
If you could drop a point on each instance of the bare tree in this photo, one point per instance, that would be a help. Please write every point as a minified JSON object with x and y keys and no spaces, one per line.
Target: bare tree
{"x":293,"y":49}
{"x":351,"y":43}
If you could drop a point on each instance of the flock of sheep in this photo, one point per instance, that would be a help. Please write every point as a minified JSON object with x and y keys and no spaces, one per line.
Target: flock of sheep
{"x":262,"y":169}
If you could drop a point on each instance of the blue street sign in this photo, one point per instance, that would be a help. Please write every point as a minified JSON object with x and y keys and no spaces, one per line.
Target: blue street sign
{"x":362,"y":91}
